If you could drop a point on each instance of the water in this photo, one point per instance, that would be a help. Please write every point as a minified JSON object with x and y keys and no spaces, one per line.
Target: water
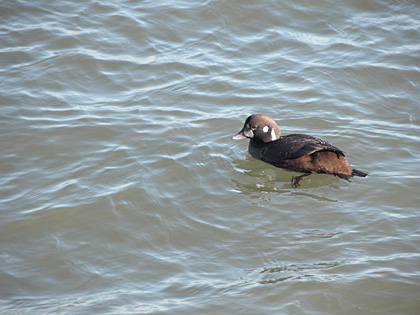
{"x":121,"y":190}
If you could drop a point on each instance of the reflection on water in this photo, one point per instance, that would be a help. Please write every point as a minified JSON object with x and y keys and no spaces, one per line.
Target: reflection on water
{"x":259,"y":180}
{"x":302,"y":272}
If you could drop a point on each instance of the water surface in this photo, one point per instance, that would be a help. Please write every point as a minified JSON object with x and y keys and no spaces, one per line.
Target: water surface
{"x":121,"y":189}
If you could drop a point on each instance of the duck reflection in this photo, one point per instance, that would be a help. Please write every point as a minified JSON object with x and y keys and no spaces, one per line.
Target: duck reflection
{"x":259,"y":181}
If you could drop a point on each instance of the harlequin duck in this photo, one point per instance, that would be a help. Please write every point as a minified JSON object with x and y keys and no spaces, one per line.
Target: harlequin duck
{"x":295,"y":152}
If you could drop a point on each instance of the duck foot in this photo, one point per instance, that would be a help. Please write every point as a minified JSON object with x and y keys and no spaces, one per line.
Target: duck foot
{"x":297,"y":178}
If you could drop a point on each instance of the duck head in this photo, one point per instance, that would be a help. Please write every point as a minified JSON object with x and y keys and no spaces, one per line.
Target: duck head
{"x":259,"y":128}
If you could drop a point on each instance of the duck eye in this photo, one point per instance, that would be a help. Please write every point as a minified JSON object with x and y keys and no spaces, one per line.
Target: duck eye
{"x":254,"y":127}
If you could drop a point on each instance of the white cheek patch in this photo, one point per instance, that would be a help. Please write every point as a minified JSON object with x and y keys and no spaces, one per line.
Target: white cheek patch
{"x":265,"y":129}
{"x":273,"y":135}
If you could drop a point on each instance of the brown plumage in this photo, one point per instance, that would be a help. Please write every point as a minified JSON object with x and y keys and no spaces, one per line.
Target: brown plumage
{"x":295,"y":152}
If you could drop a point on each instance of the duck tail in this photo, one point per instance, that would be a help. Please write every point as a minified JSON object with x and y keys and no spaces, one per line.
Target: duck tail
{"x":358,"y":173}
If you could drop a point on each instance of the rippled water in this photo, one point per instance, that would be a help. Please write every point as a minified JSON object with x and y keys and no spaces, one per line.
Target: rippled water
{"x":121,"y":189}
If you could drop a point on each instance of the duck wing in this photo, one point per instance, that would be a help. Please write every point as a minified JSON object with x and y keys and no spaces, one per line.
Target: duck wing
{"x":294,"y":146}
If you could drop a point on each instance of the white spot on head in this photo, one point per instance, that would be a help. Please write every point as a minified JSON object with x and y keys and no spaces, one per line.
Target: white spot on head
{"x":273,"y":135}
{"x":265,"y":129}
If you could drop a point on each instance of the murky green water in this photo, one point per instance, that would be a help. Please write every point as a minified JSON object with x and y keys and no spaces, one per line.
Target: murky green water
{"x":122,"y":191}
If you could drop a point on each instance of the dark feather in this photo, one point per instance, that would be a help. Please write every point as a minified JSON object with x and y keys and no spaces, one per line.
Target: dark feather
{"x":294,"y":146}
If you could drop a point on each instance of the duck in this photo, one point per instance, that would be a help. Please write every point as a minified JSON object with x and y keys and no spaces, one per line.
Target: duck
{"x":295,"y":152}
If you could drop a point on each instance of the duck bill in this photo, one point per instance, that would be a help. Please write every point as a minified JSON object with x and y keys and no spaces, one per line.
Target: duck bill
{"x":244,"y":133}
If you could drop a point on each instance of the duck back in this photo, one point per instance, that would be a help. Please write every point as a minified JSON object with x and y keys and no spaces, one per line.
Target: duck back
{"x":302,"y":153}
